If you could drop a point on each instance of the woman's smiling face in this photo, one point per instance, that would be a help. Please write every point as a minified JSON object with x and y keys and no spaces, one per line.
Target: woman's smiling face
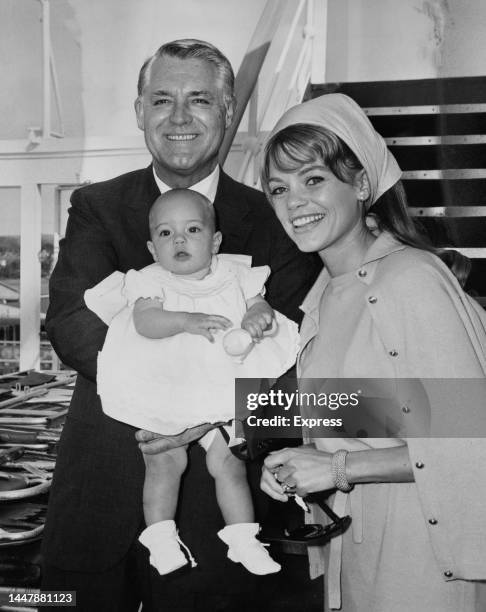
{"x":317,"y":210}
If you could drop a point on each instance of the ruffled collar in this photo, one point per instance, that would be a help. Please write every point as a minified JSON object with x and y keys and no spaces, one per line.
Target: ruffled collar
{"x":220,"y":276}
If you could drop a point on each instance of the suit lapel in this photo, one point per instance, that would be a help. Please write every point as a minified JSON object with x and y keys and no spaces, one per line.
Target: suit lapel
{"x":233,"y":215}
{"x":140,"y":202}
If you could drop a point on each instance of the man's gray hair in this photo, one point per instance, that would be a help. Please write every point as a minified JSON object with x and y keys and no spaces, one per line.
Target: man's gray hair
{"x":189,"y":48}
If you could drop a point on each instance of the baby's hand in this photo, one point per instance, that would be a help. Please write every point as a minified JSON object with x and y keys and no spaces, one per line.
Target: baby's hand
{"x":258,"y":319}
{"x":204,"y":324}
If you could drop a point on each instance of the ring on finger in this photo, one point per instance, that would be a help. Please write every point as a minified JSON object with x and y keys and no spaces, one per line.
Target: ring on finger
{"x":289,"y":489}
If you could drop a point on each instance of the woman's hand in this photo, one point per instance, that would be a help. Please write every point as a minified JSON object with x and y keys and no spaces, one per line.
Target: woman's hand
{"x":270,"y":485}
{"x":305,"y":467}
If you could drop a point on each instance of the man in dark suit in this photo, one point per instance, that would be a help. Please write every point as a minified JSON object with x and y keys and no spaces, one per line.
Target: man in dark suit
{"x":184,"y":106}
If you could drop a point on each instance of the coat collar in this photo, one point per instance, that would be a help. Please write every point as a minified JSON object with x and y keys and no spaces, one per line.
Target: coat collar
{"x":233,"y":214}
{"x":146,"y":191}
{"x":383,"y":246}
{"x":138,"y":198}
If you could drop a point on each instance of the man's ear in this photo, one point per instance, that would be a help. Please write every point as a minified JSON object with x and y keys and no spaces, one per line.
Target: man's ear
{"x":139,"y":112}
{"x":151,"y":248}
{"x":217,"y":238}
{"x":362,"y":185}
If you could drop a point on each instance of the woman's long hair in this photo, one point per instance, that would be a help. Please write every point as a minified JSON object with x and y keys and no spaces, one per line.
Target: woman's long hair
{"x":302,"y":143}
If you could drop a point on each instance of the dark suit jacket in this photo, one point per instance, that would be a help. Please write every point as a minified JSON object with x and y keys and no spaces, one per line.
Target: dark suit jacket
{"x":95,"y":508}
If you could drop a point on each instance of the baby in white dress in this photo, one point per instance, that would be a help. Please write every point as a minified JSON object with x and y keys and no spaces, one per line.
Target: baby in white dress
{"x":164,"y":368}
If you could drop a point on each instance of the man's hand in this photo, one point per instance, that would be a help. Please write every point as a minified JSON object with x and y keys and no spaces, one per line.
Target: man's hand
{"x":152,"y":443}
{"x":258,"y":318}
{"x":204,"y":324}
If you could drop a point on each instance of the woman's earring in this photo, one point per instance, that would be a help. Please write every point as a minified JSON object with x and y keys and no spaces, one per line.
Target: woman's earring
{"x":372,"y":224}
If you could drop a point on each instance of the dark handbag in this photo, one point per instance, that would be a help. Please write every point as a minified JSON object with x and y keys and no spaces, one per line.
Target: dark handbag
{"x":313,"y":534}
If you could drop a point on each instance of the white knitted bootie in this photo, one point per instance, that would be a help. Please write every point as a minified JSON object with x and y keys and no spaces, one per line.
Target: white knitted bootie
{"x":164,"y":545}
{"x":244,"y":548}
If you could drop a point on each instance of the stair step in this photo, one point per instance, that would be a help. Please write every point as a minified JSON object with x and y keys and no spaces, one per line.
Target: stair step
{"x":447,"y":174}
{"x":472,"y":253}
{"x":420,"y":92}
{"x":443,"y":109}
{"x":448,"y":211}
{"x":422,"y":141}
{"x":430,"y":125}
{"x":457,"y":233}
{"x":446,"y":157}
{"x":445,"y":193}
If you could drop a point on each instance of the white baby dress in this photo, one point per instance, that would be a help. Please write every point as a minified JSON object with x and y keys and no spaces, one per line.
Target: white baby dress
{"x":167,"y":385}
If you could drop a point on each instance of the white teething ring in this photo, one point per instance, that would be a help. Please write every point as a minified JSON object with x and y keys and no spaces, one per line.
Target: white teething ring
{"x":238,"y":342}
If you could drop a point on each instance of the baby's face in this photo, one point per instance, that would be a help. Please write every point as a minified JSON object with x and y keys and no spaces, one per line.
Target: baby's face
{"x":183,"y":241}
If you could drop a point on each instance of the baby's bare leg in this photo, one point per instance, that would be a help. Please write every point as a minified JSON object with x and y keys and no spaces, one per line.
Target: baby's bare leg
{"x":234,"y":499}
{"x":232,"y":489}
{"x":163,"y":473}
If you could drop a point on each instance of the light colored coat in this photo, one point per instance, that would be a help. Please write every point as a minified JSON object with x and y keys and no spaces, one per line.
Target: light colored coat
{"x":426,"y":327}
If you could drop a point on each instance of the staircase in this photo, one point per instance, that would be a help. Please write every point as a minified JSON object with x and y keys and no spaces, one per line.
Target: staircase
{"x":436,"y":128}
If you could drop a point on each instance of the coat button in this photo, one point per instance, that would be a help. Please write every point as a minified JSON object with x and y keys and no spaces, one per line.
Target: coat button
{"x":372,"y":299}
{"x":362,"y":273}
{"x":405,"y":409}
{"x":433,"y":521}
{"x":448,"y":574}
{"x":393,"y":353}
{"x":419,"y":465}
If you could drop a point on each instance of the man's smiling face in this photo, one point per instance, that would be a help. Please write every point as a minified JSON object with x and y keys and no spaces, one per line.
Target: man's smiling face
{"x":183,"y":114}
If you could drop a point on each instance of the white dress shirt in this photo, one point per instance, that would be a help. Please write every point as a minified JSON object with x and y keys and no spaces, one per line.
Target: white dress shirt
{"x":207,"y":187}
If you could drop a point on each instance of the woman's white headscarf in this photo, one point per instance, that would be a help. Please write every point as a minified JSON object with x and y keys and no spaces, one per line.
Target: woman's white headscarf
{"x":341,"y":115}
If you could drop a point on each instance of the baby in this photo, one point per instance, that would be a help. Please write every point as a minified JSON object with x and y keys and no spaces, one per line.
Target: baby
{"x":164,"y":368}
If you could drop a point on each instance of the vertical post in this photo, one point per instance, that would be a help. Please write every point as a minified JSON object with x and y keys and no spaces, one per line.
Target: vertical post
{"x":46,"y":69}
{"x":57,"y":96}
{"x":30,"y":275}
{"x":253,"y":131}
{"x":319,"y":47}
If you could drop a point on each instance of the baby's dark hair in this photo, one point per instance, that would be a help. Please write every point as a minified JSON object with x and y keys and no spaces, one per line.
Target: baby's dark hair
{"x":189,"y":193}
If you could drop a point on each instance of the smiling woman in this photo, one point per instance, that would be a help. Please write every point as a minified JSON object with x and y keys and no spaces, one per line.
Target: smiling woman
{"x":384,"y":307}
{"x":320,"y":212}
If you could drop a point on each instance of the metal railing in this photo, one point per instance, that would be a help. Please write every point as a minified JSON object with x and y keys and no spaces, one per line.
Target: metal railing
{"x":10,"y":350}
